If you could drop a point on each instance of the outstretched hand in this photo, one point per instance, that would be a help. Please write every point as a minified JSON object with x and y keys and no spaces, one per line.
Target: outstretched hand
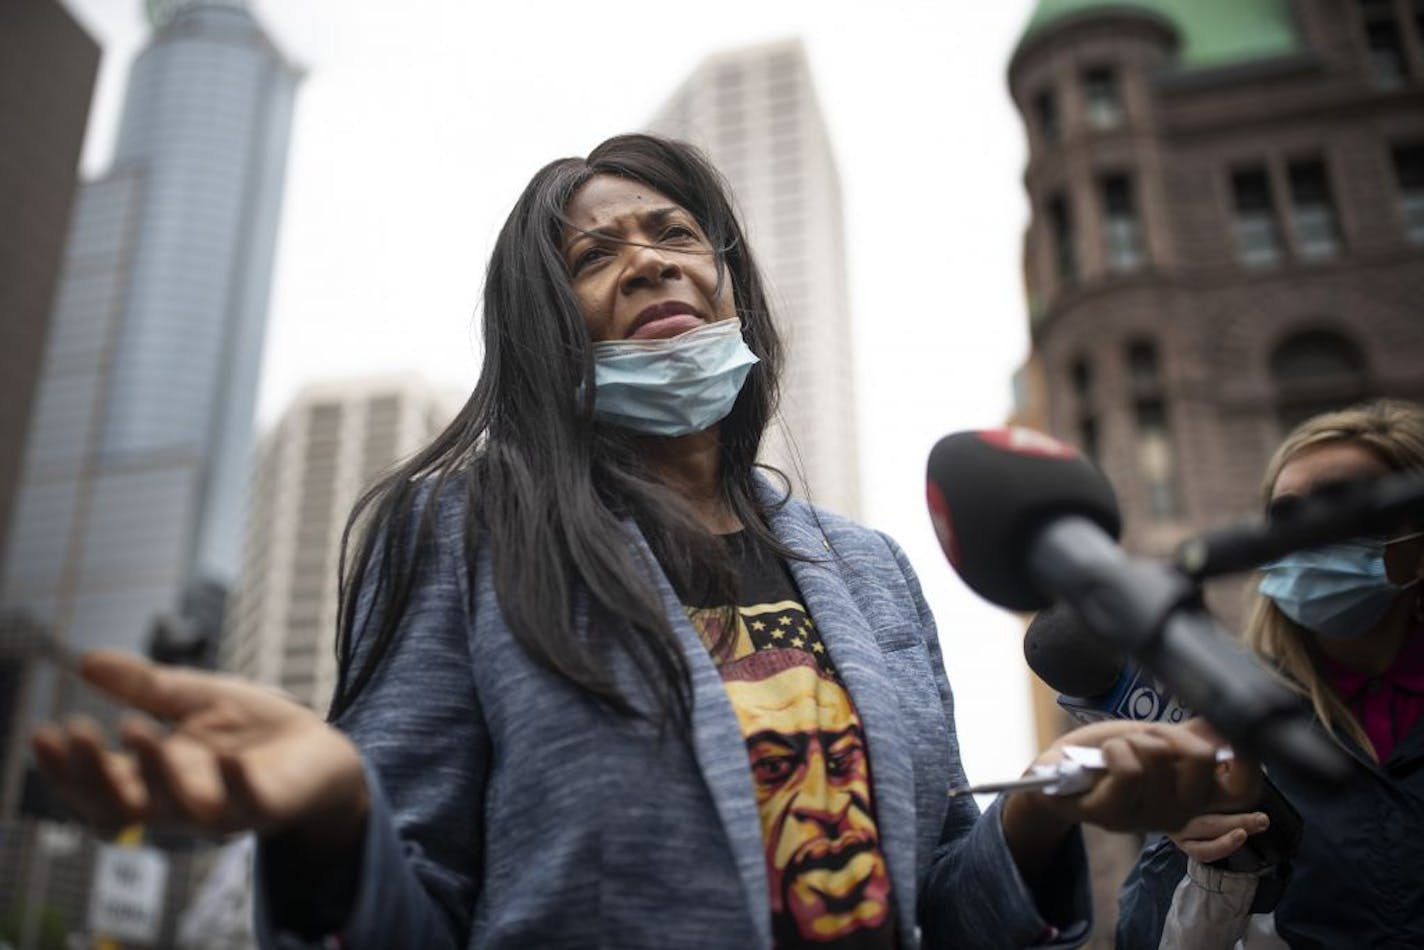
{"x":234,"y":756}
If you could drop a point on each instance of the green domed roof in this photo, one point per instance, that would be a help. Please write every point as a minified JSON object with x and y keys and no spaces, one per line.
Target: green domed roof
{"x":1213,"y":32}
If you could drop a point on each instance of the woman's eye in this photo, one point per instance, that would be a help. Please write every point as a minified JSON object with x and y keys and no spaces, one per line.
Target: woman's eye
{"x":588,"y":257}
{"x":678,"y":231}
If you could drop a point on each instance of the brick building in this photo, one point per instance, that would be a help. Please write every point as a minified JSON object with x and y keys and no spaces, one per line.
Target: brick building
{"x":1226,"y":236}
{"x":1227,"y":233}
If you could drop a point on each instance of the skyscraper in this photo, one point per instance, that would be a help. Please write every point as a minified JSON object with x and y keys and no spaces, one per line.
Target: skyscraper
{"x":754,"y":112}
{"x":137,"y":453}
{"x":329,"y":445}
{"x":138,"y":449}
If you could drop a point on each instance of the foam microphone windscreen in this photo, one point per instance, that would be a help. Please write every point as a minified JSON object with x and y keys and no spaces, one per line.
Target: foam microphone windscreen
{"x":1068,"y":656}
{"x":991,"y":491}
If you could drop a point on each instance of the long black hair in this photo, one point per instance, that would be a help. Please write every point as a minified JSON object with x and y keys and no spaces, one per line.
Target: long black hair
{"x":548,"y":488}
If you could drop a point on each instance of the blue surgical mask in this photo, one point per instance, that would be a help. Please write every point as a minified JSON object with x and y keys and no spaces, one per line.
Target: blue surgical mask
{"x":671,"y":386}
{"x":1339,"y":591}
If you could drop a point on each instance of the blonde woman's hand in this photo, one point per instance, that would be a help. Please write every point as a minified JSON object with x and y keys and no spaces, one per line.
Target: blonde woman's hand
{"x":1208,"y":838}
{"x":1215,"y":835}
{"x":233,"y":756}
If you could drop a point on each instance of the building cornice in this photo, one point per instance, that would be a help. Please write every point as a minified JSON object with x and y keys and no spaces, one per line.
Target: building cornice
{"x":1223,"y":278}
{"x":1064,"y":28}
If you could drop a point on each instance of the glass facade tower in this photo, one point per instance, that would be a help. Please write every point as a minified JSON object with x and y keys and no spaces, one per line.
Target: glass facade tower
{"x":138,"y":452}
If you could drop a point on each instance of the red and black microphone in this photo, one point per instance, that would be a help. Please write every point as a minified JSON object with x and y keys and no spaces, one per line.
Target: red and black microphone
{"x":1026,"y":521}
{"x":991,"y":490}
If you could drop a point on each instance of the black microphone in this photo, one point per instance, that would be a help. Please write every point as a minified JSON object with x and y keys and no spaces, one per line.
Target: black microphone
{"x":1334,"y":512}
{"x":1025,"y":521}
{"x":1095,"y":681}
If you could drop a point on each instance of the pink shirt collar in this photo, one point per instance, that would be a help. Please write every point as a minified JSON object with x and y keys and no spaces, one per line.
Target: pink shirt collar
{"x":1389,"y":705}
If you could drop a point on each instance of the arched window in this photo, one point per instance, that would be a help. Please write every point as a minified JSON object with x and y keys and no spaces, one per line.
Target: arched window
{"x":1102,"y":98}
{"x":1316,"y":371}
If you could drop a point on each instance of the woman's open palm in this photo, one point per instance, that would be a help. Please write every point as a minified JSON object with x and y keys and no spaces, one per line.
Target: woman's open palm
{"x":235,"y":756}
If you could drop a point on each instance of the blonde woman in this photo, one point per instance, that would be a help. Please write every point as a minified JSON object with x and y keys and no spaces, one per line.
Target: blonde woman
{"x":1345,"y":625}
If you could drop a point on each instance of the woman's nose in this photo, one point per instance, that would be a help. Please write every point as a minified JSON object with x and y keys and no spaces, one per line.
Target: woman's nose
{"x":649,"y":266}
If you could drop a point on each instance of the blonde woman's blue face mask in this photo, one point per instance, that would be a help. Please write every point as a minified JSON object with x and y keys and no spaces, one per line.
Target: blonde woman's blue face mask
{"x":1340,"y":591}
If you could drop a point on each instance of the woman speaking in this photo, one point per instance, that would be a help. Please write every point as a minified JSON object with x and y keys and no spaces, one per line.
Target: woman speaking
{"x":602,"y":682}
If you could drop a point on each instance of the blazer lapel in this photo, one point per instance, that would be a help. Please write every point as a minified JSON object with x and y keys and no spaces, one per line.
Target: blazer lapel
{"x":721,"y":753}
{"x":857,"y":658}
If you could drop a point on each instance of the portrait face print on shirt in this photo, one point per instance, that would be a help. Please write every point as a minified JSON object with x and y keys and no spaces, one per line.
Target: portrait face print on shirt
{"x":812,"y":782}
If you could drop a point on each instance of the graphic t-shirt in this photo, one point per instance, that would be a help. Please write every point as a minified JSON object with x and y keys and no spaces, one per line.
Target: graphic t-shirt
{"x":828,"y":878}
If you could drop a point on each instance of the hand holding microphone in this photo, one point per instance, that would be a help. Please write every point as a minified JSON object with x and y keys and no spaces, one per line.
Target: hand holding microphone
{"x":1153,"y":777}
{"x":1096,"y":681}
{"x":1074,"y":774}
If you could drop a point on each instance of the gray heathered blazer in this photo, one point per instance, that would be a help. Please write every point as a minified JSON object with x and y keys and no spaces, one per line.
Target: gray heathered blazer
{"x":510,"y":811}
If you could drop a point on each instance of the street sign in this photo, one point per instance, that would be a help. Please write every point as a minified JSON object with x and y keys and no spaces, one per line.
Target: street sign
{"x":127,"y":901}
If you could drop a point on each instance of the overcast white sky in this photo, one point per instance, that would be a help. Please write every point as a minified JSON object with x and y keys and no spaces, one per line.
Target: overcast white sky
{"x":419,"y":122}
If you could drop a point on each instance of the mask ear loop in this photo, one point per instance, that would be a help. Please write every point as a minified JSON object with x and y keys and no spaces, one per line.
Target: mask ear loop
{"x":1418,"y":612}
{"x":1419,"y":574}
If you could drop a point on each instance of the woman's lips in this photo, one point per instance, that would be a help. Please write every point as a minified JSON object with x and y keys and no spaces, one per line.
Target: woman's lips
{"x":664,"y":327}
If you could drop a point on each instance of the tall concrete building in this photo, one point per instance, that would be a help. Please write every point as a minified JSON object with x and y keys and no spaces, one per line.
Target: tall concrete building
{"x":138,"y":448}
{"x":754,"y":112}
{"x":328,"y":447}
{"x":1227,"y":236}
{"x":47,"y":69}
